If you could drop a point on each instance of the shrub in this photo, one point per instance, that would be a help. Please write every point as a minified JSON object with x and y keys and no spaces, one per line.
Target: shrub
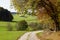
{"x":22,"y":25}
{"x":39,"y":26}
{"x":33,"y":25}
{"x":36,"y":26}
{"x":9,"y":27}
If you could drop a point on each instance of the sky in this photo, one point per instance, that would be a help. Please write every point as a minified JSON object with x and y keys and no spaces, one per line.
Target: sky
{"x":6,"y":4}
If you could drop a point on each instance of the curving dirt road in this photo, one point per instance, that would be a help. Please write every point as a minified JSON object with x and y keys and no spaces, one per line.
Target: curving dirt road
{"x":30,"y":36}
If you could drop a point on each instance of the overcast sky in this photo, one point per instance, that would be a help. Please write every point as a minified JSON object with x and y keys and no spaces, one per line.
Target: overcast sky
{"x":6,"y":4}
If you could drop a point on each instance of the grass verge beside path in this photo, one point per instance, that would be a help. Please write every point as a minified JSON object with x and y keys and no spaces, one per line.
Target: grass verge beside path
{"x":10,"y":35}
{"x":50,"y":36}
{"x":39,"y":34}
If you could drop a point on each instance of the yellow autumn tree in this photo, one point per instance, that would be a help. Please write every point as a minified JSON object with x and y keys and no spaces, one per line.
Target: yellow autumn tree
{"x":46,"y":10}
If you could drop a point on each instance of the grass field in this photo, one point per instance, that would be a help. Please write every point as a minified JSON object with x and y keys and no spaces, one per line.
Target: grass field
{"x":13,"y":35}
{"x":10,"y":35}
{"x":3,"y":25}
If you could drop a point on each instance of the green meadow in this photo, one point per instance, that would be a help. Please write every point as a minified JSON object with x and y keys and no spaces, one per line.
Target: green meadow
{"x":13,"y":35}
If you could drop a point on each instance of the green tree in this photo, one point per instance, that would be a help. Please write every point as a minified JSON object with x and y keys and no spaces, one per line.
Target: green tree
{"x":5,"y":15}
{"x":23,"y":5}
{"x":19,"y":5}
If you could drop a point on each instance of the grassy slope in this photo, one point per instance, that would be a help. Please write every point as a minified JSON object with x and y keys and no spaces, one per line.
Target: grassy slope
{"x":27,"y":18}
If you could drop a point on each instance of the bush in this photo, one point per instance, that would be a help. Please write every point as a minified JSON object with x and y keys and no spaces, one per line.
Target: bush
{"x":36,"y":26}
{"x":39,"y":26}
{"x":9,"y":27}
{"x":22,"y":25}
{"x":5,"y":15}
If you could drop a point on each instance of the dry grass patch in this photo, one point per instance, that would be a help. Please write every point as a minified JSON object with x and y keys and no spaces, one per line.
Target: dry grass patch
{"x":49,"y":36}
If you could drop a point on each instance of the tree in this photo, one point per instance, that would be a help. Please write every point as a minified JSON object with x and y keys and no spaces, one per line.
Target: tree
{"x":51,"y":11}
{"x":5,"y":15}
{"x":24,"y":5}
{"x":50,"y":7}
{"x":19,"y":5}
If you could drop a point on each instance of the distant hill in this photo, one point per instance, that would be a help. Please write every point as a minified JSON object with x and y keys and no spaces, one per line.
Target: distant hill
{"x":13,"y":12}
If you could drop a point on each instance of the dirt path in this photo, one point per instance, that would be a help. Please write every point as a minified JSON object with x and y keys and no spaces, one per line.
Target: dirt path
{"x":29,"y":36}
